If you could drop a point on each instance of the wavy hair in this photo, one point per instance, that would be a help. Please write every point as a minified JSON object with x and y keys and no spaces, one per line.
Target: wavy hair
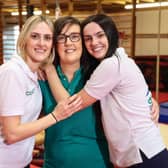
{"x":30,"y":23}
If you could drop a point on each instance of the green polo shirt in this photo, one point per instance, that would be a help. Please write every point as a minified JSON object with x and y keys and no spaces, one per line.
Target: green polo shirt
{"x":76,"y":142}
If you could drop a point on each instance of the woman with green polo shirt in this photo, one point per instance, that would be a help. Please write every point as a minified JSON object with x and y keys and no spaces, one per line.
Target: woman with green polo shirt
{"x":79,"y":141}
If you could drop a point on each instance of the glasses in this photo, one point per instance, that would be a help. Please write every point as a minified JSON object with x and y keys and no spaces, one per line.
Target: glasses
{"x":74,"y":37}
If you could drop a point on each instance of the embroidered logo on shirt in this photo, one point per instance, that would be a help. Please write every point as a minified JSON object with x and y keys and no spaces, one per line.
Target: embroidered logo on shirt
{"x":30,"y":92}
{"x":149,"y":98}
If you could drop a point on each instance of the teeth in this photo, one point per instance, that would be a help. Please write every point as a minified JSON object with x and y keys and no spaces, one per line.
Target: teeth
{"x":69,"y":50}
{"x":40,"y":50}
{"x":97,"y":49}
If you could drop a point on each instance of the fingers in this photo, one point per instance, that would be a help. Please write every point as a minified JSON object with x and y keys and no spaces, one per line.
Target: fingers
{"x":75,"y":104}
{"x":42,"y":72}
{"x":155,"y":116}
{"x":41,"y":75}
{"x":0,"y":130}
{"x":155,"y":111}
{"x":72,"y":99}
{"x":49,"y":68}
{"x":2,"y":134}
{"x":68,"y":107}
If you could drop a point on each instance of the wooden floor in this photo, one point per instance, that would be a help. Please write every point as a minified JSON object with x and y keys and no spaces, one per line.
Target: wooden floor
{"x":164,"y":132}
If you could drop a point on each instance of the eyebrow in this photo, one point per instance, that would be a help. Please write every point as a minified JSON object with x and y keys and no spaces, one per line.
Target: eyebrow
{"x":70,"y":33}
{"x":40,"y":33}
{"x":94,"y":33}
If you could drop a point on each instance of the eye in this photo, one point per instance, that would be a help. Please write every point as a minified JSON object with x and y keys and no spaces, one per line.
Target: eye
{"x":34,"y":36}
{"x":87,"y":38}
{"x":60,"y":38}
{"x":48,"y":37}
{"x":75,"y":37}
{"x":100,"y":35}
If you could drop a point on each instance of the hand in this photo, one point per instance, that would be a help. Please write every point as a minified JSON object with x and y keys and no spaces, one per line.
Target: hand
{"x":48,"y":68}
{"x":44,"y":70}
{"x":155,"y":111}
{"x":67,"y":107}
{"x":1,"y":130}
{"x":41,"y":75}
{"x":2,"y":135}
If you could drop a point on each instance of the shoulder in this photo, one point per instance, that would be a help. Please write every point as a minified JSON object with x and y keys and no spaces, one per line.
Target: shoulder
{"x":10,"y":72}
{"x":9,"y":68}
{"x":109,"y":64}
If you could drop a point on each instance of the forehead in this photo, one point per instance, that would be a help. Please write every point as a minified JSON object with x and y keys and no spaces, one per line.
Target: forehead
{"x":69,"y":28}
{"x":92,"y":28}
{"x":41,"y":28}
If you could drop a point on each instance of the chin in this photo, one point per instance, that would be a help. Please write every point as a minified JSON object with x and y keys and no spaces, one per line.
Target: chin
{"x":98,"y":57}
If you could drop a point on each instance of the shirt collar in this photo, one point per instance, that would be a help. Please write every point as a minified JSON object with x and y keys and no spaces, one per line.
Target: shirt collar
{"x":61,"y":74}
{"x":22,"y":64}
{"x":74,"y":85}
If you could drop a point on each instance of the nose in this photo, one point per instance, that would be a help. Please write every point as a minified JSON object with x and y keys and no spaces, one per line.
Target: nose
{"x":41,"y":41}
{"x":68,"y":40}
{"x":94,"y":40}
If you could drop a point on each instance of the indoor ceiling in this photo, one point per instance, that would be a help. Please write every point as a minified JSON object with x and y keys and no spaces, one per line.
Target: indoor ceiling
{"x":108,"y":6}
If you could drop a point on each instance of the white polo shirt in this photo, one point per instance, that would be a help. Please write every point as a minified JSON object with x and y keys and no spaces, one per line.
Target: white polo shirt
{"x":20,"y":94}
{"x":126,"y":105}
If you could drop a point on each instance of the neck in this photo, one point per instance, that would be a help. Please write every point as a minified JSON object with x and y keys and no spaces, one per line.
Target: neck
{"x":69,"y":70}
{"x":33,"y":66}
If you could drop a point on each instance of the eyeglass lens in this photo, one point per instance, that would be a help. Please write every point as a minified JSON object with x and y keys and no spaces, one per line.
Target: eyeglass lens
{"x":74,"y":37}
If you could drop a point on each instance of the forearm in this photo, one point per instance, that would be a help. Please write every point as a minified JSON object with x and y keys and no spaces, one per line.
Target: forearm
{"x":58,"y":91}
{"x":87,"y":100}
{"x":14,"y":131}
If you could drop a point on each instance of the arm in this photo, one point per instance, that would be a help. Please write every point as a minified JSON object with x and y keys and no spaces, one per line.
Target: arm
{"x":13,"y":130}
{"x":60,"y":93}
{"x":57,"y":89}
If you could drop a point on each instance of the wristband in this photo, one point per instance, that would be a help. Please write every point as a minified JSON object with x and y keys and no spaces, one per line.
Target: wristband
{"x":54,"y":117}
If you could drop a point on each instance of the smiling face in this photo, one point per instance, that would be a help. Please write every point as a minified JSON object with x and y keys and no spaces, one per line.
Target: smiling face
{"x":38,"y":44}
{"x":70,"y":51}
{"x":95,"y":40}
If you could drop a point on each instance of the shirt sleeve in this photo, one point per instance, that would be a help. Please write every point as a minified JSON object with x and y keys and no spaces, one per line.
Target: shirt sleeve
{"x":12,"y":96}
{"x":104,"y":79}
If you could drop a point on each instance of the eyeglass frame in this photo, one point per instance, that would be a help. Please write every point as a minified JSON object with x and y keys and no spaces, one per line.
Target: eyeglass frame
{"x":68,"y":36}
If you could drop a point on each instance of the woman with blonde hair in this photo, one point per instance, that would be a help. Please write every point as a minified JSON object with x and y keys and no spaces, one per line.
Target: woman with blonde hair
{"x":20,"y":94}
